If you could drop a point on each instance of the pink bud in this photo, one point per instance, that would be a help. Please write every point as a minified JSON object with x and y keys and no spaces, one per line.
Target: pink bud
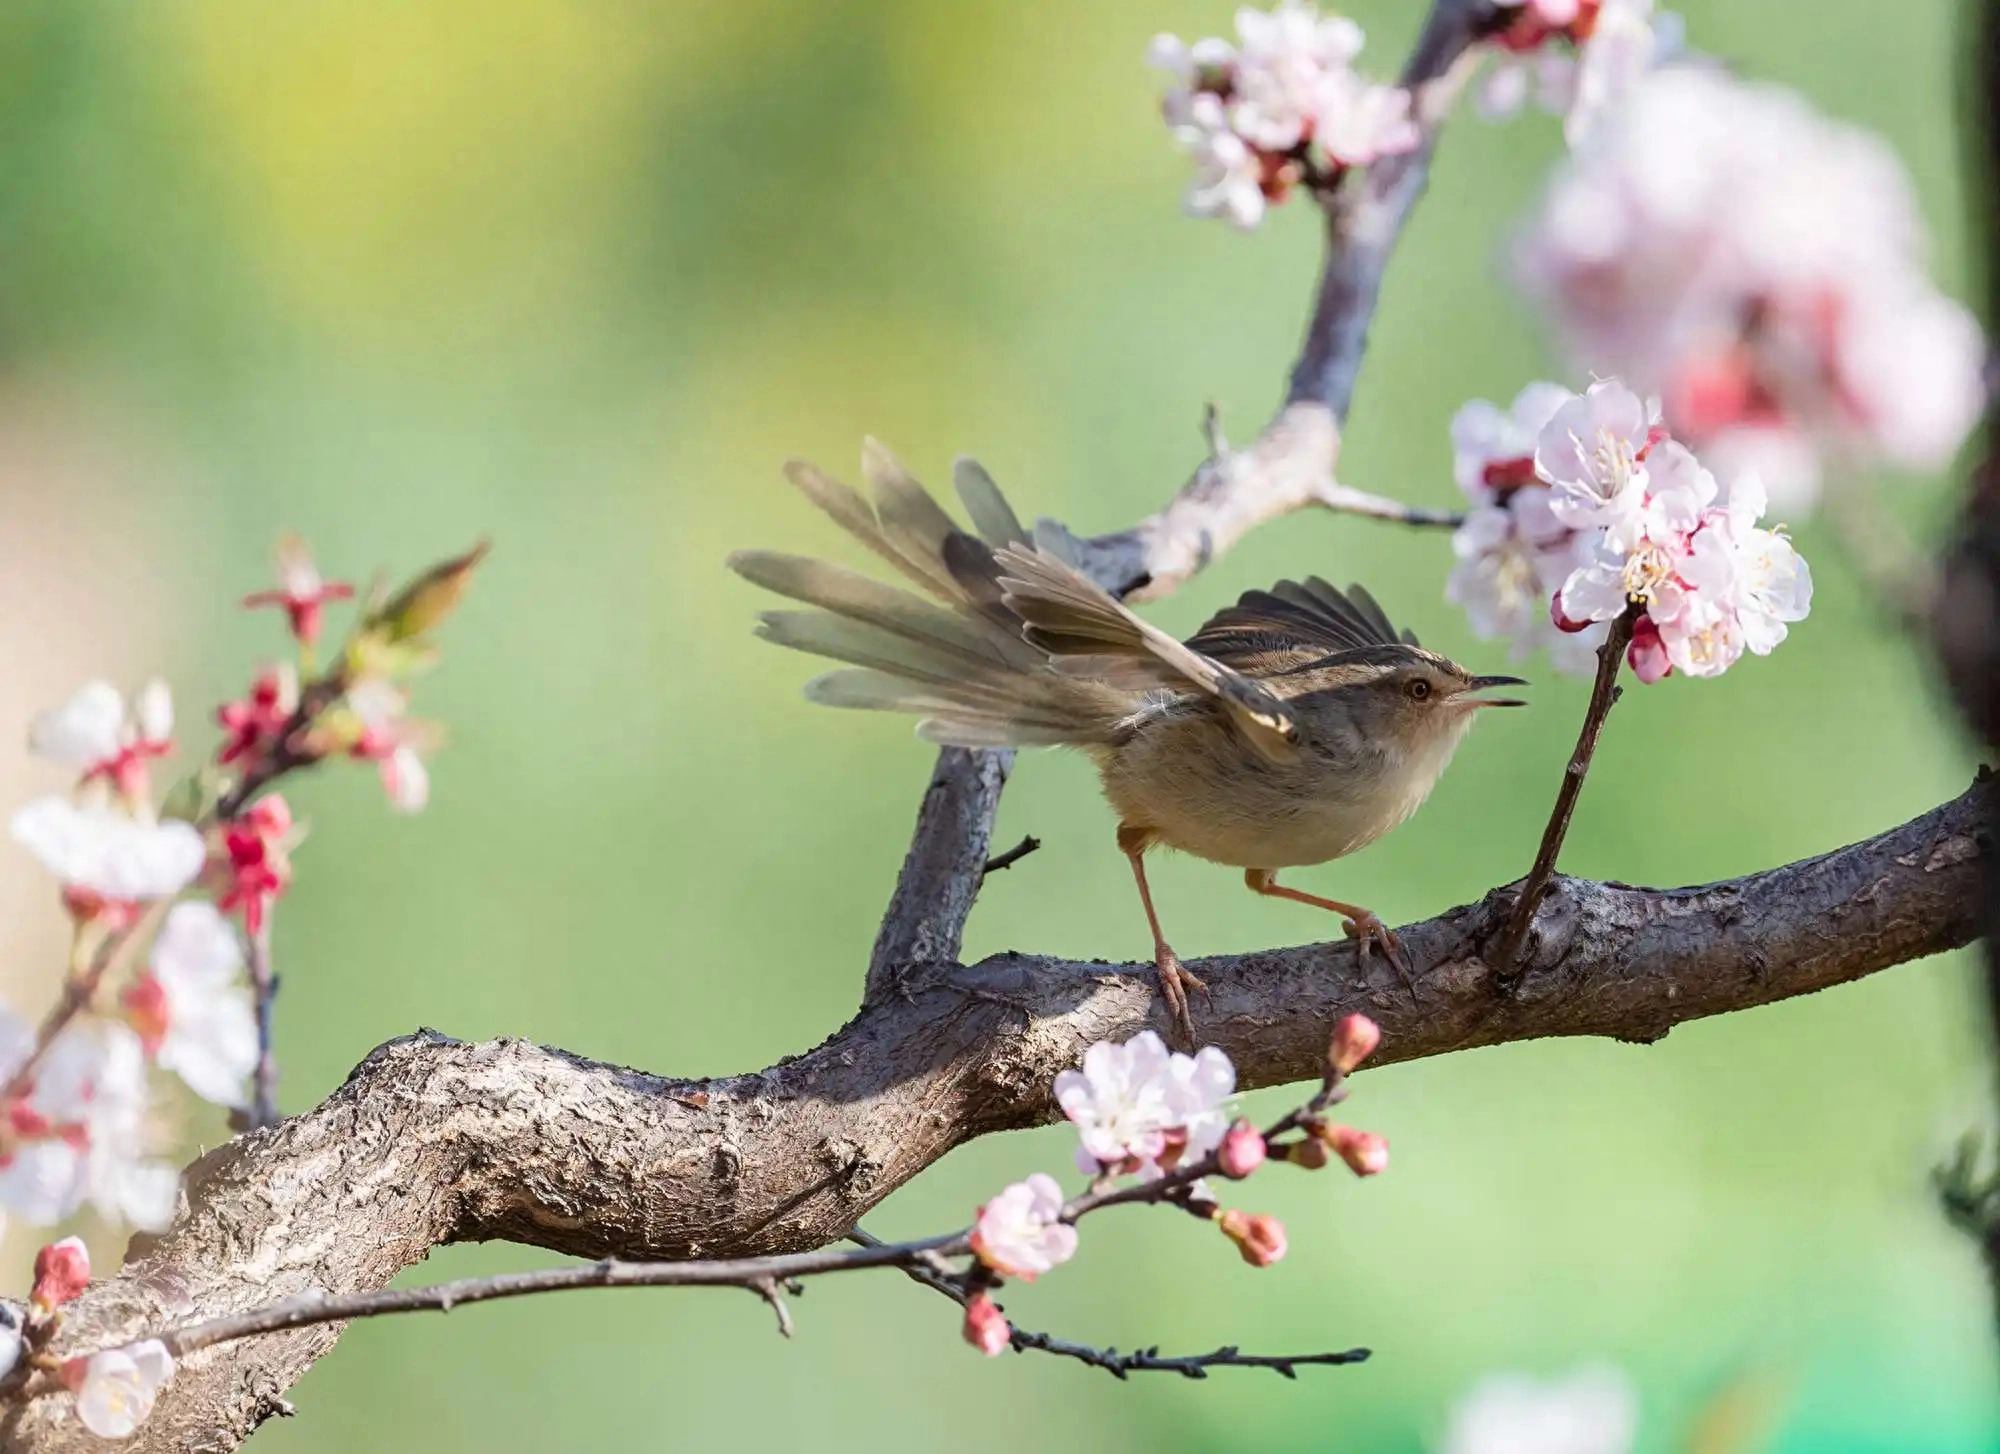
{"x":1562,"y":622}
{"x":985,"y":1326}
{"x":1364,"y":1152}
{"x":1259,"y":1238}
{"x":1241,"y":1152}
{"x":1354,"y":1040}
{"x":62,"y":1272}
{"x":1310,"y":1154}
{"x":1647,"y":655}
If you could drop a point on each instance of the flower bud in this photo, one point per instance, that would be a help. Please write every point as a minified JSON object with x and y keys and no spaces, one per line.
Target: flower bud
{"x":1310,"y":1154}
{"x":62,"y":1272}
{"x":985,"y":1326}
{"x":1259,"y":1238}
{"x":428,"y":599}
{"x":1647,"y":655}
{"x":1364,"y":1152}
{"x":1354,"y":1040}
{"x":1242,"y":1151}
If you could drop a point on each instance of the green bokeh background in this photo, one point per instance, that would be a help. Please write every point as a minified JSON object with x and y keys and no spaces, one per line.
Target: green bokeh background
{"x":580,"y":276}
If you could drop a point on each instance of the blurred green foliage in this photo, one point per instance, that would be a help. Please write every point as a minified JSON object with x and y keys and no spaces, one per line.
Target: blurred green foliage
{"x":579,"y":276}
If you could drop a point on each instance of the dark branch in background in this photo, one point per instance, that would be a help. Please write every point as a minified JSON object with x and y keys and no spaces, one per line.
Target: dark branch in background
{"x":1965,"y":620}
{"x":264,"y":985}
{"x":1603,"y":696}
{"x":511,"y":1142}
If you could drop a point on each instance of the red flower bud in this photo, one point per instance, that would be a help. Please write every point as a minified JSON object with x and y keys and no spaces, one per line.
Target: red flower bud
{"x":1647,"y":655}
{"x":1259,"y":1238}
{"x":1242,"y":1151}
{"x":985,"y":1326}
{"x":62,"y":1272}
{"x":1354,"y":1040}
{"x":1364,"y":1152}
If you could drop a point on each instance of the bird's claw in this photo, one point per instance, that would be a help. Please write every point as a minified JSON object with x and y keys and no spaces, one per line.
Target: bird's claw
{"x":1175,"y":980}
{"x":1369,"y":931}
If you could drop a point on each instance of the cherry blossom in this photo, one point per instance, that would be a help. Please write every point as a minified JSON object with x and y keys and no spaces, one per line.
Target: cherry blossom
{"x":257,"y":723}
{"x":62,"y":1272}
{"x":1365,"y":1153}
{"x":1020,"y":1233}
{"x":1355,"y":1038}
{"x":1578,"y":58}
{"x":116,"y":1389}
{"x":190,"y":1011}
{"x":392,"y":741}
{"x":1282,"y":107}
{"x":94,"y":733}
{"x":1140,"y":1108}
{"x":985,"y":1326}
{"x":1593,"y":1411}
{"x":1259,"y":1238}
{"x":256,"y":864}
{"x":1242,"y":1150}
{"x":1513,"y":554}
{"x":106,"y":858}
{"x":1761,"y":268}
{"x":301,"y":593}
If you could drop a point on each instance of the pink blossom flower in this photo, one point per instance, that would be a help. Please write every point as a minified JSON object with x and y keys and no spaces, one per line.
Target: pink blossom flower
{"x":93,"y":733}
{"x":256,"y":864}
{"x":1593,"y":1411}
{"x":301,"y":592}
{"x":1242,"y":1150}
{"x":1579,"y":58}
{"x":257,"y":723}
{"x":116,"y":1389}
{"x":1259,"y":1238}
{"x":1285,"y":104}
{"x":391,"y":741}
{"x":1139,"y":1108}
{"x":107,"y":859}
{"x":190,"y":1011}
{"x":1355,"y":1038}
{"x":1365,"y":1153}
{"x":1513,"y":554}
{"x":1020,"y":1233}
{"x":1761,"y":268}
{"x":62,"y":1272}
{"x":1590,"y":453}
{"x":985,"y":1327}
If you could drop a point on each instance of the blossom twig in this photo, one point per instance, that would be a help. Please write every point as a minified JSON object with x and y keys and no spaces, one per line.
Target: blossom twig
{"x":264,"y":985}
{"x":1603,"y":693}
{"x":1140,"y":1360}
{"x":78,"y":990}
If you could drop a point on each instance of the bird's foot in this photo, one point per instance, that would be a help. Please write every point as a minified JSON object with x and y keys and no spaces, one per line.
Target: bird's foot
{"x":1370,"y":932}
{"x":1175,"y":982}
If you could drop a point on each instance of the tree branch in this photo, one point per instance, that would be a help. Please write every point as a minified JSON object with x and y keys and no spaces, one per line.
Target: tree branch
{"x":431,"y":1141}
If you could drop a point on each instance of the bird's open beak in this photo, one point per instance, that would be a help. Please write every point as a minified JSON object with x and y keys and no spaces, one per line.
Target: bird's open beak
{"x":1480,"y":684}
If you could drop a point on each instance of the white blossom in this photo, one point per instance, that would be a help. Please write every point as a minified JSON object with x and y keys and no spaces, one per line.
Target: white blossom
{"x":10,"y":1339}
{"x":192,"y":1006}
{"x":119,"y":1386}
{"x":83,"y":731}
{"x":1019,"y":1233}
{"x":107,"y":852}
{"x":1577,"y":61}
{"x":1593,"y":1411}
{"x":1589,"y":453}
{"x":1759,"y":267}
{"x":1137,"y":1106}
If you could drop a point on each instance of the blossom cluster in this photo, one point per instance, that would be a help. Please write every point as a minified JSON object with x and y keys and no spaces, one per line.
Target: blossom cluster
{"x":1760,"y":268}
{"x":115,"y":1388}
{"x":1143,"y":1111}
{"x":1610,"y":514}
{"x":1281,"y":107}
{"x":1577,"y":58}
{"x":170,"y":897}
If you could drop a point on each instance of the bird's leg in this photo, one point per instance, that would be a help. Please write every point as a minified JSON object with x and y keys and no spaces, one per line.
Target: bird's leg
{"x":1355,"y":921}
{"x":1174,"y":979}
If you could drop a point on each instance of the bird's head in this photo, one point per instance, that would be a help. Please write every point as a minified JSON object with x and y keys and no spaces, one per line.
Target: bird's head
{"x":1408,"y":703}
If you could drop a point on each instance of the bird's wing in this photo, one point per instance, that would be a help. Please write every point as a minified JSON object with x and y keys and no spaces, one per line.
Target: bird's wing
{"x":1088,"y":634}
{"x":1294,"y":623}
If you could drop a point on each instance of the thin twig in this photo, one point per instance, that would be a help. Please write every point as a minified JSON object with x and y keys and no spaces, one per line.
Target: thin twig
{"x":1012,"y":856}
{"x":264,"y":985}
{"x":111,"y":959}
{"x":1120,"y":1365}
{"x":1603,"y":693}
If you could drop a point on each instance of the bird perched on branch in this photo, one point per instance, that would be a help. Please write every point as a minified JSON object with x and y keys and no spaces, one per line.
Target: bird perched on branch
{"x":1294,"y":728}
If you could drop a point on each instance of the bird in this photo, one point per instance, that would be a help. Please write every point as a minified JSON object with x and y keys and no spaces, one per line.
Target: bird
{"x":1294,"y":728}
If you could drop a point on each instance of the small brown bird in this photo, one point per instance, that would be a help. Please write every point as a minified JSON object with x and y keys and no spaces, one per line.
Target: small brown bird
{"x":1294,"y":728}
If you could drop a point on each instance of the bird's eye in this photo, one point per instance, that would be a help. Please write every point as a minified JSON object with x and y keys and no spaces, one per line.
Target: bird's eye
{"x":1419,"y":689}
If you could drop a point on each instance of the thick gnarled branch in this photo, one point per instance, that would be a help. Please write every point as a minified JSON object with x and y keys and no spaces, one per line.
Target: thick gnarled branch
{"x":431,"y":1141}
